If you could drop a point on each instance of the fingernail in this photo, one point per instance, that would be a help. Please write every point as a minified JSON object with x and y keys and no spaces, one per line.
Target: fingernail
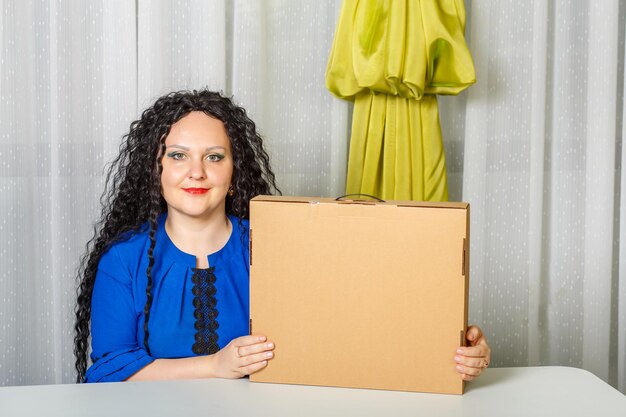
{"x":459,"y":351}
{"x":270,"y":345}
{"x":269,"y":354}
{"x":262,"y":338}
{"x":457,"y":359}
{"x":459,"y":368}
{"x":264,"y":363}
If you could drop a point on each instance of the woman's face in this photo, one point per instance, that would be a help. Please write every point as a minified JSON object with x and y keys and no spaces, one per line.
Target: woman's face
{"x":197,"y":167}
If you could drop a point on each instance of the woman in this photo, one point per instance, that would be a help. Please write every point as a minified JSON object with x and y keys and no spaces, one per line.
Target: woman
{"x":164,"y":285}
{"x":147,"y":287}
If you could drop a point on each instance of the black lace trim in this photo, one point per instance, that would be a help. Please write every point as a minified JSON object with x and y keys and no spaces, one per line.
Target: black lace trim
{"x":206,"y":313}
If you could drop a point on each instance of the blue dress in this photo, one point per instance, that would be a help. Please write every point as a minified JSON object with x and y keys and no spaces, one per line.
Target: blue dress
{"x":119,"y":297}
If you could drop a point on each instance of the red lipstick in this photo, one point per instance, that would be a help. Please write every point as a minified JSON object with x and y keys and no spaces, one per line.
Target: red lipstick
{"x":196,"y":190}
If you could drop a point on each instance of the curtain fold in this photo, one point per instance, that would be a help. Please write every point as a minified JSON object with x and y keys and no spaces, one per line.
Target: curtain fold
{"x":75,"y":74}
{"x":278,"y":77}
{"x":542,"y":169}
{"x":180,"y":44}
{"x":600,"y":150}
{"x":68,"y":76}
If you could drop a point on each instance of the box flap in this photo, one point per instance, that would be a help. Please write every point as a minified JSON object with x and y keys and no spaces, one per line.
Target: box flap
{"x":327,"y":200}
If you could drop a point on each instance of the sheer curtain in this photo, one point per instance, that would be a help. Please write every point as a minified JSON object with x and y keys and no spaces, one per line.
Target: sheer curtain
{"x":271,"y":55}
{"x":74,"y":74}
{"x":534,"y":146}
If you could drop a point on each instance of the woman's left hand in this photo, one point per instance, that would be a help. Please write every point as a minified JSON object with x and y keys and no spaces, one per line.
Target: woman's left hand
{"x":473,"y":359}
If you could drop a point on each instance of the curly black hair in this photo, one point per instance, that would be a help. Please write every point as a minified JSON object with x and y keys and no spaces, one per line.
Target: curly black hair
{"x":132,"y":200}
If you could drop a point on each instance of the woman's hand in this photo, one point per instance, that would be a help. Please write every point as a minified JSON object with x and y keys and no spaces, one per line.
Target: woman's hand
{"x":242,"y":356}
{"x":473,"y":359}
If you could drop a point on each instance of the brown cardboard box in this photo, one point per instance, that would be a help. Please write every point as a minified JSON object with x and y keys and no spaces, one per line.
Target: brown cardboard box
{"x":360,"y":294}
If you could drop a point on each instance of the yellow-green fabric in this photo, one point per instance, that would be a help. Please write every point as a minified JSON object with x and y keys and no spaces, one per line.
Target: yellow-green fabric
{"x":391,"y":57}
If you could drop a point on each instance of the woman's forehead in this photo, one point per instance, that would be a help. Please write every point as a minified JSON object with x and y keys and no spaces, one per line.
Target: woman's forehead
{"x":196,"y":129}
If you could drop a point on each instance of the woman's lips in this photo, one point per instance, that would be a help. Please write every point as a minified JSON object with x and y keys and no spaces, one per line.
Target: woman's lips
{"x":196,"y":190}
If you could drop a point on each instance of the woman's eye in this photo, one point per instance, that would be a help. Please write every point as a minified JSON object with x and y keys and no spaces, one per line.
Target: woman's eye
{"x":215,"y":157}
{"x":177,"y":156}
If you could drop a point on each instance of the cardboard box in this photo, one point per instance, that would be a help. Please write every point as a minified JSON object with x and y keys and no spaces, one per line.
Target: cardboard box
{"x":360,"y":294}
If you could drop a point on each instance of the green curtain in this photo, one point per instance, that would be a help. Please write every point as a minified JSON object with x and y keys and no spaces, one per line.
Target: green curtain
{"x":391,"y":57}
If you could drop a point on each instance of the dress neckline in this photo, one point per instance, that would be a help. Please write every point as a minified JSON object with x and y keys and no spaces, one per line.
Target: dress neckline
{"x":177,"y":255}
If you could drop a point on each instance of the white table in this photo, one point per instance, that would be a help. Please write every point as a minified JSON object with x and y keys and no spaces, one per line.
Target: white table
{"x":502,"y":392}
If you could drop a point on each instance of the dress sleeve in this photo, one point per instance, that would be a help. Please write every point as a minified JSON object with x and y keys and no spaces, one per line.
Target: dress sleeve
{"x":402,"y":48}
{"x":450,"y":68}
{"x":116,"y":352}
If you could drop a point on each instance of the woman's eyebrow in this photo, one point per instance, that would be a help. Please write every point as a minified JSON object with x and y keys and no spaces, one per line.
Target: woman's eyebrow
{"x":184,"y":148}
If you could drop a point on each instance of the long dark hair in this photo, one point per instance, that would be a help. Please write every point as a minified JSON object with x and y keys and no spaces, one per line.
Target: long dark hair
{"x":132,"y":195}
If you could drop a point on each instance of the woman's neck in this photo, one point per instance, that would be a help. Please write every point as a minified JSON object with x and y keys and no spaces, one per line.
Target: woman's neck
{"x":199,"y":237}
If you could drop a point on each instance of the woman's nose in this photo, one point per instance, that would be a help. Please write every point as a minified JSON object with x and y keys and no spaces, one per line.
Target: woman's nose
{"x":196,"y":170}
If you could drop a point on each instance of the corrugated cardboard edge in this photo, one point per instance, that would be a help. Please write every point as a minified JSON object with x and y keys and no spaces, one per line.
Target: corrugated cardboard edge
{"x":398,"y":203}
{"x":466,"y":257}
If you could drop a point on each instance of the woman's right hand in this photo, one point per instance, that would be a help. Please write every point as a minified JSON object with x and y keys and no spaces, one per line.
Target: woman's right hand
{"x":243,"y":356}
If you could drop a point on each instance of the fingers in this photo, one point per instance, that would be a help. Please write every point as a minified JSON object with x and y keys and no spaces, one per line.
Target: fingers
{"x":480,"y":363}
{"x":469,"y":364}
{"x":252,"y":363}
{"x":480,"y":351}
{"x":478,"y":346}
{"x":470,"y":368}
{"x":473,"y":335}
{"x":250,"y":345}
{"x":251,"y":353}
{"x":248,"y":340}
{"x":263,"y":349}
{"x":469,"y":359}
{"x":242,"y":356}
{"x":472,"y":360}
{"x":467,"y":377}
{"x":468,"y":371}
{"x":255,"y":367}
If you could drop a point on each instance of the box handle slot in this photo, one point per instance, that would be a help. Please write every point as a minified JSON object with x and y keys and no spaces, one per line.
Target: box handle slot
{"x":464,"y":258}
{"x":343,"y":198}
